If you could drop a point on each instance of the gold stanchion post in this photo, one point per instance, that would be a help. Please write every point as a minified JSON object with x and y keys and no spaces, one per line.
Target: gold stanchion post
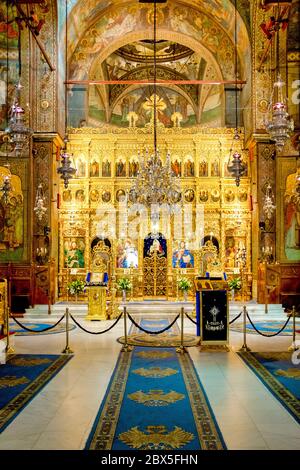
{"x":67,"y":349}
{"x":49,"y":289}
{"x":293,"y":346}
{"x":126,"y":347}
{"x":245,"y":348}
{"x":181,"y":349}
{"x":9,"y":349}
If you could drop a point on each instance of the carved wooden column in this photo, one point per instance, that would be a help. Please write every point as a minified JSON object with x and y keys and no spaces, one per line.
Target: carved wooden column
{"x":45,"y":232}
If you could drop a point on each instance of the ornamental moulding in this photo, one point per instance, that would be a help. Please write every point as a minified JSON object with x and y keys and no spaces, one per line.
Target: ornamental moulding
{"x":149,"y":130}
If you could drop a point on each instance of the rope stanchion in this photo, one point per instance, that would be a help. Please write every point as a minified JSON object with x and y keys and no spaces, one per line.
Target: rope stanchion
{"x":190,"y":318}
{"x":96,"y":332}
{"x":293,"y":346}
{"x":67,"y":349}
{"x":181,"y":349}
{"x":263,"y":334}
{"x":8,"y":349}
{"x":126,"y":347}
{"x":244,"y":347}
{"x":152,"y":332}
{"x":38,"y":331}
{"x":236,"y":318}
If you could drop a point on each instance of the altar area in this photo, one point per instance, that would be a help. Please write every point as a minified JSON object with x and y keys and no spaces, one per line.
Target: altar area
{"x":98,"y":218}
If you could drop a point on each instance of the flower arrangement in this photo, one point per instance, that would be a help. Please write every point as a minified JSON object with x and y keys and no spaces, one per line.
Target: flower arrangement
{"x":184,"y":284}
{"x":124,"y":284}
{"x":76,"y":287}
{"x":235,"y":283}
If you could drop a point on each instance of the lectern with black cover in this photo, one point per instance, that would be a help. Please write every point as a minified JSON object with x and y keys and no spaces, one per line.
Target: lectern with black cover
{"x":212,"y":310}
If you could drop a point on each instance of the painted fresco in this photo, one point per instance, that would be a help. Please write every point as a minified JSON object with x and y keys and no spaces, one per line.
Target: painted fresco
{"x":8,"y":38}
{"x":127,"y":254}
{"x":182,"y":257}
{"x":136,"y":100}
{"x":74,"y":251}
{"x":155,"y":245}
{"x":233,"y":246}
{"x":8,"y":32}
{"x":12,"y":220}
{"x":291,"y":221}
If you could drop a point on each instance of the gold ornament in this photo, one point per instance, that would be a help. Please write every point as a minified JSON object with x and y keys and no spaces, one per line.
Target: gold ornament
{"x":12,"y":381}
{"x":27,"y":362}
{"x":156,"y":397}
{"x":154,"y":354}
{"x":156,"y":437}
{"x":155,"y":372}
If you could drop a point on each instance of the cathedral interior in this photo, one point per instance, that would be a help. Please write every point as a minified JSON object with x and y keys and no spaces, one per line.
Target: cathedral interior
{"x":93,"y":92}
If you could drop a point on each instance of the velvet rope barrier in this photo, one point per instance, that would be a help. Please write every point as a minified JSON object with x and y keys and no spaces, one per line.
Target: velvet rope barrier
{"x":96,"y":332}
{"x":38,"y":331}
{"x":152,"y":332}
{"x":263,"y":334}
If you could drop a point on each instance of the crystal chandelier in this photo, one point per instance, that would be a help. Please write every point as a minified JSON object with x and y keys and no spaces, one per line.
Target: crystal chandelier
{"x":268,"y":205}
{"x":155,"y":183}
{"x":279,"y":125}
{"x":236,"y":167}
{"x":66,"y":170}
{"x":39,"y":207}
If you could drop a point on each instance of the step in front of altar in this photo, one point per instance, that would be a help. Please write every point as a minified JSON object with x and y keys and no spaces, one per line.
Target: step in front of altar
{"x":275,"y":311}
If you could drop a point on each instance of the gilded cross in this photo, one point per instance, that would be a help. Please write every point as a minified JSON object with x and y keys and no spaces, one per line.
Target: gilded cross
{"x":153,"y":103}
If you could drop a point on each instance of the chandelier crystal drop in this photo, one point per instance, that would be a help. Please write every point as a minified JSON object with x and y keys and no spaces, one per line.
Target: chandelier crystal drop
{"x":19,"y":133}
{"x":279,"y":125}
{"x":39,"y":206}
{"x":268,"y":205}
{"x":155,"y":182}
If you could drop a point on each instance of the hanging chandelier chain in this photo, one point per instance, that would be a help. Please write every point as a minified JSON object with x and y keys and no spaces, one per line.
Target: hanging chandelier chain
{"x":154,"y":86}
{"x":235,"y":65}
{"x":278,"y":122}
{"x":66,"y":170}
{"x":237,"y":167}
{"x":66,"y":69}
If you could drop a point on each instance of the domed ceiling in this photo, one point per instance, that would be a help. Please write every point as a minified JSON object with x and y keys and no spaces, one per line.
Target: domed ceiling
{"x":113,"y":40}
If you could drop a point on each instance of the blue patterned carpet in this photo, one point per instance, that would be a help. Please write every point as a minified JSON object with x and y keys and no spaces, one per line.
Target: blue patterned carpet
{"x":155,"y":400}
{"x":21,"y":378}
{"x":38,"y":327}
{"x":266,"y":327}
{"x":278,"y":373}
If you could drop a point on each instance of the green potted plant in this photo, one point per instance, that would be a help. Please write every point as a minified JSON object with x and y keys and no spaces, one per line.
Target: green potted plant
{"x":184,"y":285}
{"x":76,"y":287}
{"x":124,"y":285}
{"x":234,"y":284}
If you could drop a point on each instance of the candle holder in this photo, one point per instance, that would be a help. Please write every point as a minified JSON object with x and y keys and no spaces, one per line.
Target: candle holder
{"x":41,"y":255}
{"x":267,"y":254}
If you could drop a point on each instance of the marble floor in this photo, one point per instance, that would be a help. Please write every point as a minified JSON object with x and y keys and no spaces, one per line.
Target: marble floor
{"x":61,"y":415}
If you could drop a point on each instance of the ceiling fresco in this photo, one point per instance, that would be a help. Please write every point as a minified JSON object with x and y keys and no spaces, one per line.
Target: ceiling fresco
{"x":113,"y":40}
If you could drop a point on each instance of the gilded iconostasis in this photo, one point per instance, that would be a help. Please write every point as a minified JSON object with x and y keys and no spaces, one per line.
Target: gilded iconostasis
{"x":80,"y":51}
